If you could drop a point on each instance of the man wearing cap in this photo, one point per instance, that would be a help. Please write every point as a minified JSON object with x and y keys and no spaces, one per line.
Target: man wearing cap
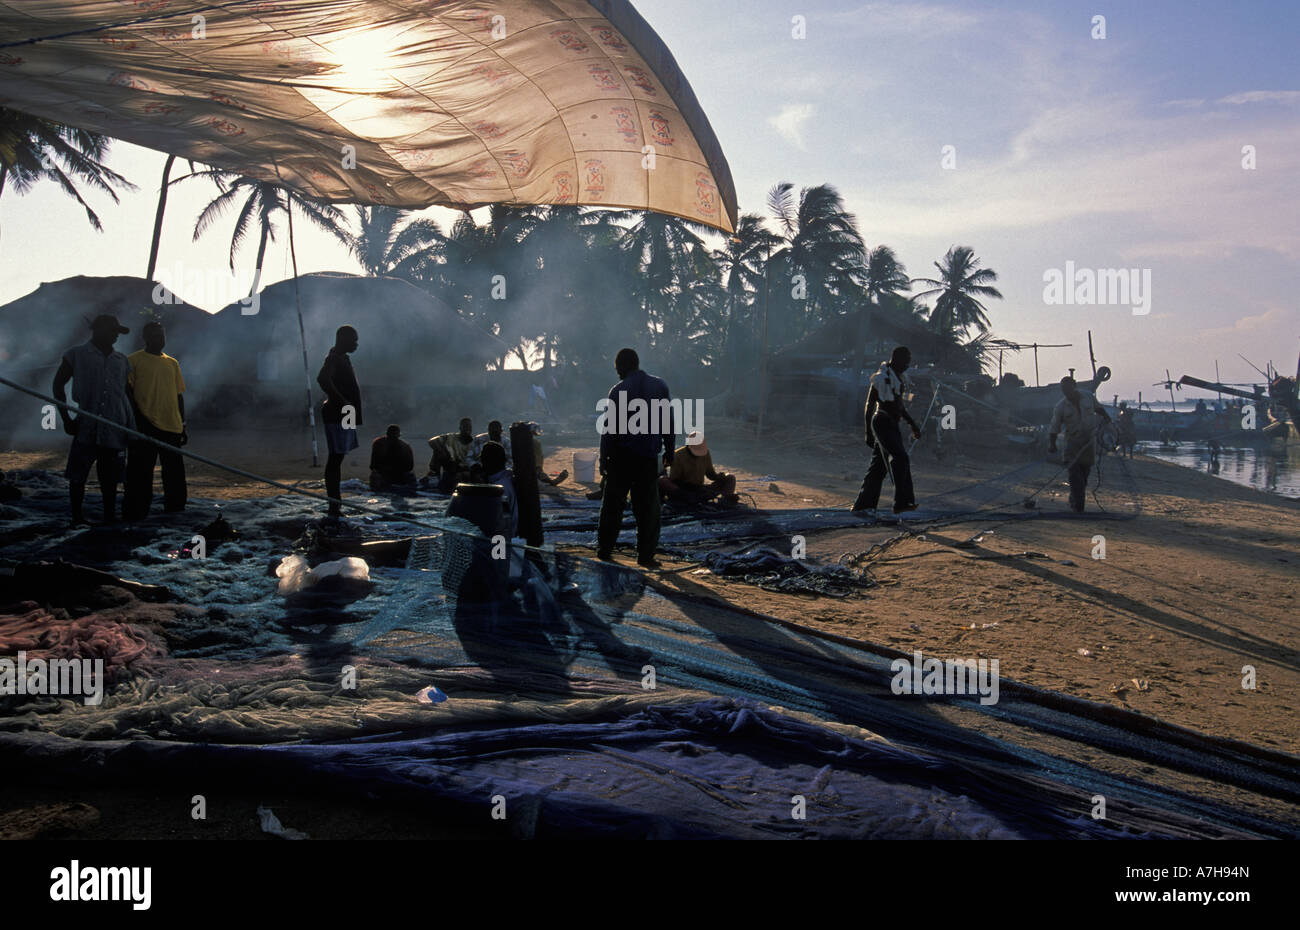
{"x":157,"y":395}
{"x":692,"y":478}
{"x":99,"y":377}
{"x":1076,"y":414}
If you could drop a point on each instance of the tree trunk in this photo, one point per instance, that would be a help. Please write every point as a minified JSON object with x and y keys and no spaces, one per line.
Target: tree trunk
{"x":302,"y":331}
{"x":158,"y":218}
{"x":261,"y":254}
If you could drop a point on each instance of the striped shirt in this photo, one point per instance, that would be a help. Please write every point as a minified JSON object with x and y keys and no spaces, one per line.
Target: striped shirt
{"x":99,"y":387}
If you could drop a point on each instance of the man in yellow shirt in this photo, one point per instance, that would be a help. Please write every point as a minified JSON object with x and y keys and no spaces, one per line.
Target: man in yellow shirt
{"x":692,"y":479}
{"x":156,"y":389}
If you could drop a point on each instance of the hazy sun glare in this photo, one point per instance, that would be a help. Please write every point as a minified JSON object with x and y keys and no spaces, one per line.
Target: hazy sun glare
{"x":365,"y":60}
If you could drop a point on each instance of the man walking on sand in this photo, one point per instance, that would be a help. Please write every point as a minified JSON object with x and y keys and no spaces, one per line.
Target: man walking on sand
{"x":1126,"y":429}
{"x":1076,"y":413}
{"x":340,"y":411}
{"x":883,"y":410}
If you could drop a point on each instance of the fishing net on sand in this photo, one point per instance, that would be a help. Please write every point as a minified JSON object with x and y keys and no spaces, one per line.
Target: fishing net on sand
{"x":587,"y":693}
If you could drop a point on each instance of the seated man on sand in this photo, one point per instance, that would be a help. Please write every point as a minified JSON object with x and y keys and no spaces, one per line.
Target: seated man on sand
{"x":692,"y":478}
{"x":392,"y":463}
{"x":495,"y":434}
{"x":449,"y":463}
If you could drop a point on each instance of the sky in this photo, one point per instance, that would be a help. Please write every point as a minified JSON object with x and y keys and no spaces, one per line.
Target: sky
{"x":1006,"y":127}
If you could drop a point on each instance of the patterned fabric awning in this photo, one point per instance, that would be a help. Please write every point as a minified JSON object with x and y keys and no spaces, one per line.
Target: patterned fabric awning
{"x":382,"y":101}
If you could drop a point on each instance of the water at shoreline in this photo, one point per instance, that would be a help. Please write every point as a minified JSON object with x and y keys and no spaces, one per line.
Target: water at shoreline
{"x":1265,"y":468}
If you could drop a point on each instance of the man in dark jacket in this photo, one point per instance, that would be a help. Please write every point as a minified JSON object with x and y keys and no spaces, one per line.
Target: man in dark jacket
{"x":341,"y":410}
{"x":636,"y":427}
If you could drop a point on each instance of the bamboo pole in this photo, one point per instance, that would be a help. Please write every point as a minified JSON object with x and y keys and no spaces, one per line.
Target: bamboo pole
{"x":302,"y":334}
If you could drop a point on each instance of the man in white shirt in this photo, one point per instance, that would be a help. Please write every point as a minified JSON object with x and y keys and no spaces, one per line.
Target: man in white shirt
{"x":1076,"y":414}
{"x":882,"y":413}
{"x":495,"y":434}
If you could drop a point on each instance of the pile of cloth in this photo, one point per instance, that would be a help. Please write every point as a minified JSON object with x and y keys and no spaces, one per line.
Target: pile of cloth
{"x":772,"y":571}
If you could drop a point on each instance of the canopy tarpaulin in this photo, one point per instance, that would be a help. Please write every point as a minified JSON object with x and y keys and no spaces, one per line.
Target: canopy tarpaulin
{"x":408,"y":104}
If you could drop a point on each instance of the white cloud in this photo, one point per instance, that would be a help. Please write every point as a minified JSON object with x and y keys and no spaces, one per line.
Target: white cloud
{"x":1177,"y":179}
{"x":789,"y":123}
{"x":1274,"y":319}
{"x":1263,"y":96}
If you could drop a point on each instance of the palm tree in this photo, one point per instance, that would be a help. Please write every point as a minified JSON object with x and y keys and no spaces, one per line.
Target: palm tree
{"x":262,"y":200}
{"x":163,"y":191}
{"x":976,"y":353}
{"x":697,"y":314}
{"x":34,"y":149}
{"x":906,"y":310}
{"x":388,"y":243}
{"x":158,"y":217}
{"x":885,"y":274}
{"x":741,"y":262}
{"x":660,"y":249}
{"x":960,"y":283}
{"x":823,"y":246}
{"x":459,"y":269}
{"x":523,"y":349}
{"x":570,"y":255}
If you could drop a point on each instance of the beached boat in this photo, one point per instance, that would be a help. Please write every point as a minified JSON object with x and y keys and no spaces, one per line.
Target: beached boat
{"x":1255,"y":417}
{"x":1223,"y":425}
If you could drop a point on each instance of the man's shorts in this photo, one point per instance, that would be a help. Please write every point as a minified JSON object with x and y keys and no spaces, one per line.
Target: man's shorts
{"x":82,"y":457}
{"x":338,"y":440}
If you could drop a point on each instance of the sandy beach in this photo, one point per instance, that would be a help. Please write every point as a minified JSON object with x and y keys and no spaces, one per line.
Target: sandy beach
{"x":1198,"y":582}
{"x":1202,"y":583}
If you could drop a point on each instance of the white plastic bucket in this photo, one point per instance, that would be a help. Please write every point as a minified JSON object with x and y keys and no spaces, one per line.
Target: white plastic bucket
{"x":584,"y":467}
